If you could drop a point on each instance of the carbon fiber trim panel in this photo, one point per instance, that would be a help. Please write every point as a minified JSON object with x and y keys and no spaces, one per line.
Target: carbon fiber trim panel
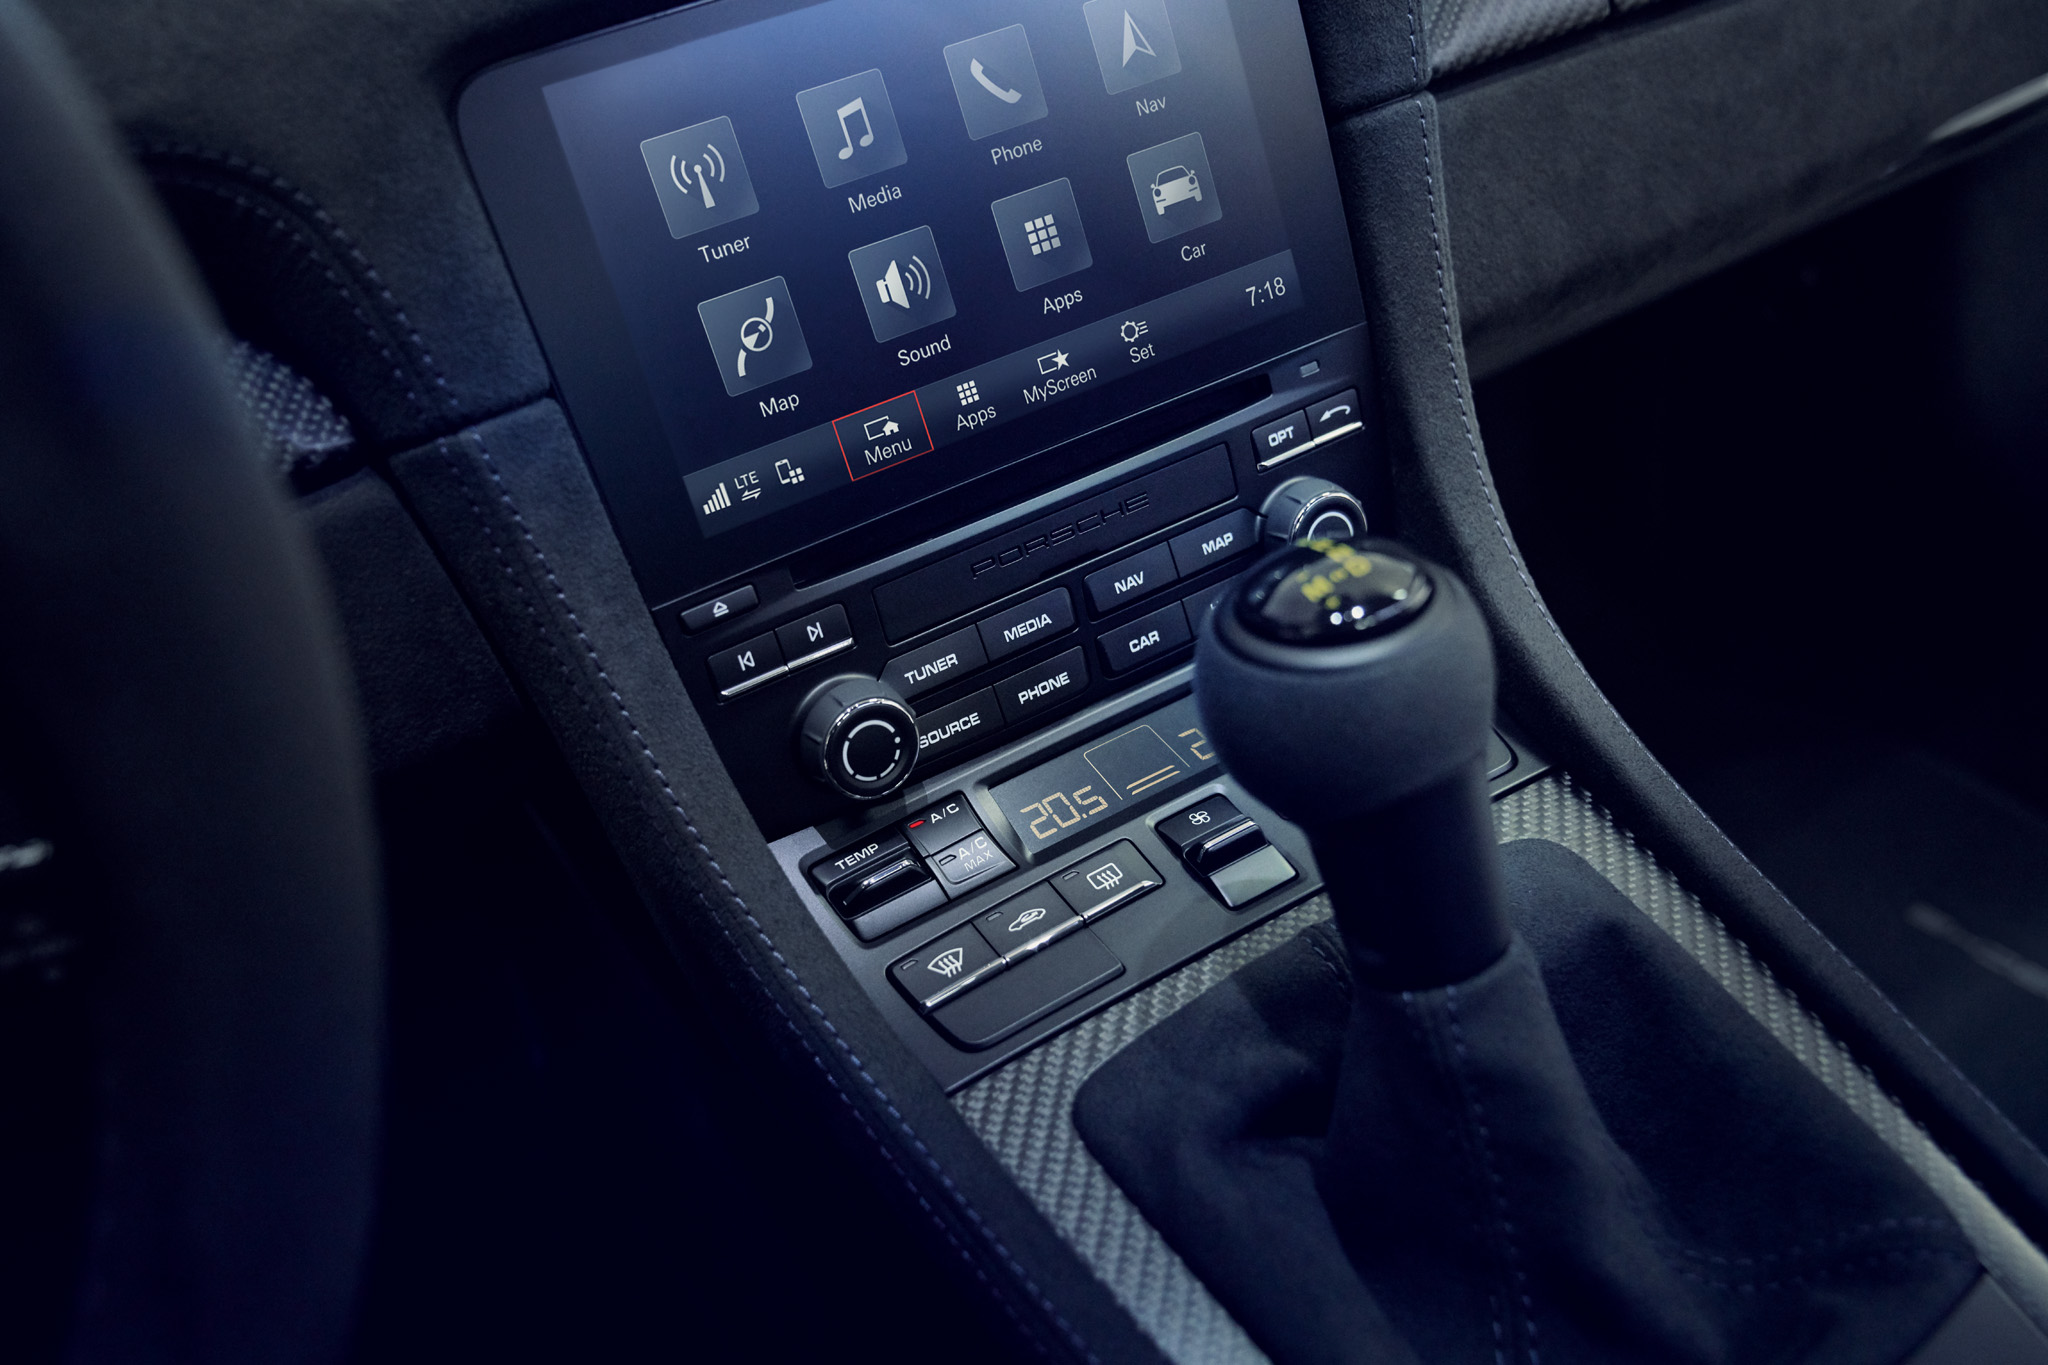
{"x":1024,"y":1112}
{"x":1462,"y":33}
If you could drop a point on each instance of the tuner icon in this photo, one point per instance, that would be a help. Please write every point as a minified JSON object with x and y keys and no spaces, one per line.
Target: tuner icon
{"x":699,"y":177}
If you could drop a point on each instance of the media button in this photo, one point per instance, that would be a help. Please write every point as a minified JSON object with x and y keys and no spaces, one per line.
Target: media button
{"x":852,"y":127}
{"x":699,"y":177}
{"x":1038,"y":690}
{"x":1025,"y":624}
{"x":995,"y":81}
{"x":885,"y":434}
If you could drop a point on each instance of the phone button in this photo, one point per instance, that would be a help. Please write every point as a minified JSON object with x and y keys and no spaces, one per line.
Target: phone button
{"x":996,"y":82}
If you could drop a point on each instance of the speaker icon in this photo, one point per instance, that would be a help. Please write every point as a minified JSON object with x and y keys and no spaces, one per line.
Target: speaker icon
{"x":900,"y":283}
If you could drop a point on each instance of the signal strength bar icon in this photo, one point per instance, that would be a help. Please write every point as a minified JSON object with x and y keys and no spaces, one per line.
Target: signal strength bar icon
{"x":719,"y":500}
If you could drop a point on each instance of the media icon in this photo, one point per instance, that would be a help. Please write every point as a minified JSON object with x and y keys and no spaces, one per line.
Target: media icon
{"x":902,"y":283}
{"x":1042,"y":234}
{"x":1134,"y":43}
{"x":852,"y":127}
{"x":755,"y":335}
{"x":995,"y":81}
{"x":699,"y":176}
{"x":1176,"y":192}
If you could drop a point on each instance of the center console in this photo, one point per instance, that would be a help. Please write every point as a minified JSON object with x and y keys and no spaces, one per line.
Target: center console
{"x":939,"y":366}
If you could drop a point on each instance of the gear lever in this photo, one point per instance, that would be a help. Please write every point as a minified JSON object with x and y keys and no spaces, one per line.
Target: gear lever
{"x":1349,"y":686}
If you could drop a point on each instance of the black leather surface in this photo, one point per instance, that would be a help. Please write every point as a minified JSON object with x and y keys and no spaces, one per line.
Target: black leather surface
{"x":170,"y":668}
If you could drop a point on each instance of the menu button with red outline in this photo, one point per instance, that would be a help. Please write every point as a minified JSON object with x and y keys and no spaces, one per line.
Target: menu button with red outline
{"x":888,"y":433}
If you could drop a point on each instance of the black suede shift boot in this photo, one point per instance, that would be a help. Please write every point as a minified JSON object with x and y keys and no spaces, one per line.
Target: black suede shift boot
{"x":1586,"y":1153}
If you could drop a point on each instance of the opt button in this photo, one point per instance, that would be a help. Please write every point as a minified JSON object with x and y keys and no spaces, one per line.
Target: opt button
{"x":1281,"y":440}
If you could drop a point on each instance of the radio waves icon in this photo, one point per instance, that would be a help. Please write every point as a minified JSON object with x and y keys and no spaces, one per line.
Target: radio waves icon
{"x":903,"y":282}
{"x":702,"y":171}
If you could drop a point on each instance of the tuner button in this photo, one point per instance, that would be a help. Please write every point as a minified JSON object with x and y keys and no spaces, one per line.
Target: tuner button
{"x":1308,"y":508}
{"x":859,"y":737}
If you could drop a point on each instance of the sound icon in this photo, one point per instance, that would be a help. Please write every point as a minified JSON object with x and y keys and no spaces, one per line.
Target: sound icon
{"x":900,"y":283}
{"x":705,"y":169}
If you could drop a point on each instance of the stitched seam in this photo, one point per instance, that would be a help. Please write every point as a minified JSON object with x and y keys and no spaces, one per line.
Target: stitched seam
{"x":1496,"y":1187}
{"x":1466,"y":418}
{"x":554,"y":585}
{"x":1414,"y":44}
{"x":1337,"y":973}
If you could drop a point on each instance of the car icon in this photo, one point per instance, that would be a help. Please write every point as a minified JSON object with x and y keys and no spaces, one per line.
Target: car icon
{"x":1173,"y":185}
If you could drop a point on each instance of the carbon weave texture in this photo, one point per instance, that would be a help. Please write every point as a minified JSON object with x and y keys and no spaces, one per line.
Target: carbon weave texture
{"x":1465,"y":33}
{"x":1024,"y":1111}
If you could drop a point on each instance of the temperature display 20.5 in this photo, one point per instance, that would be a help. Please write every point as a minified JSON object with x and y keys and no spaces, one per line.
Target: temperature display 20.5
{"x":1058,"y":800}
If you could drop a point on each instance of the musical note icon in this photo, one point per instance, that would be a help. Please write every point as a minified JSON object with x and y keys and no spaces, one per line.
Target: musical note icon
{"x":857,"y":105}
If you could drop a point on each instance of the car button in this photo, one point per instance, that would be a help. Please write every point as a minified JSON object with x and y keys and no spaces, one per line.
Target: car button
{"x":1023,"y":924}
{"x":1145,"y":639}
{"x":1335,"y":416}
{"x":848,"y":861}
{"x":945,"y":967}
{"x":1025,"y":624}
{"x":937,"y":663}
{"x":1039,"y":689}
{"x":1129,"y":579}
{"x":1223,"y":538}
{"x":956,"y":725}
{"x":705,"y":615}
{"x":746,"y":665}
{"x":1281,"y":440}
{"x":972,"y":861}
{"x":941,"y":825}
{"x":824,"y":632}
{"x":1099,"y":884}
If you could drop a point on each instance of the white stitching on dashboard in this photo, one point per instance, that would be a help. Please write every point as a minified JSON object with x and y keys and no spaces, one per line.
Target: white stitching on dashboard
{"x":654,"y":765}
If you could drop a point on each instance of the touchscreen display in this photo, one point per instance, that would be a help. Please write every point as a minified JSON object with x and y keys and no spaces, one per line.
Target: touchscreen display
{"x":859,"y":250}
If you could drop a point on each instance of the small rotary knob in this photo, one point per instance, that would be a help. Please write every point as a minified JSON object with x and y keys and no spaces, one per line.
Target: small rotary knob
{"x":1311,"y":509}
{"x":858,"y":736}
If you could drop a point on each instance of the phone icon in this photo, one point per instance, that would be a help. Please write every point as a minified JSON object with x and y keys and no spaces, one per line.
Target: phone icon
{"x":996,"y":81}
{"x":981,"y":76}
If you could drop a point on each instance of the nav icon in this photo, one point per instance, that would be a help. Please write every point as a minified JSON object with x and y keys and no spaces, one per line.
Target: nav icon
{"x":1133,"y":42}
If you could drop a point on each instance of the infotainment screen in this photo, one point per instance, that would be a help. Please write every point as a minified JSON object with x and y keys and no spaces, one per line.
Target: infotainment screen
{"x":800,"y":267}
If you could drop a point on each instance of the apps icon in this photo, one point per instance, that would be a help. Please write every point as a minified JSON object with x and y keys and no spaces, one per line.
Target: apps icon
{"x":1133,"y":42}
{"x":852,"y":127}
{"x":1176,"y":192}
{"x":902,"y":283}
{"x":755,"y":336}
{"x":1042,"y":234}
{"x":699,"y":176}
{"x":996,"y":81}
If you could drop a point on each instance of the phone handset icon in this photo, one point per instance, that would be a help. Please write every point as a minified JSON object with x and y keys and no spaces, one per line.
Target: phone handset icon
{"x":757,"y":334}
{"x":982,"y":79}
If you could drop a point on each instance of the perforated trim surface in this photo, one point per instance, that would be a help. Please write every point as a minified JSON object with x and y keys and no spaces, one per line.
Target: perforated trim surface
{"x":1024,"y":1111}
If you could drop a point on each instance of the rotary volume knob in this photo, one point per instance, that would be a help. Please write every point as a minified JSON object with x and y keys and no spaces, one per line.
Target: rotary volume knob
{"x":1311,"y":509}
{"x":858,"y":736}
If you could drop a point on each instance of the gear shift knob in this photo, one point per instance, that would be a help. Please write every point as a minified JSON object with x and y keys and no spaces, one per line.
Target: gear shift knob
{"x":1349,"y":685}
